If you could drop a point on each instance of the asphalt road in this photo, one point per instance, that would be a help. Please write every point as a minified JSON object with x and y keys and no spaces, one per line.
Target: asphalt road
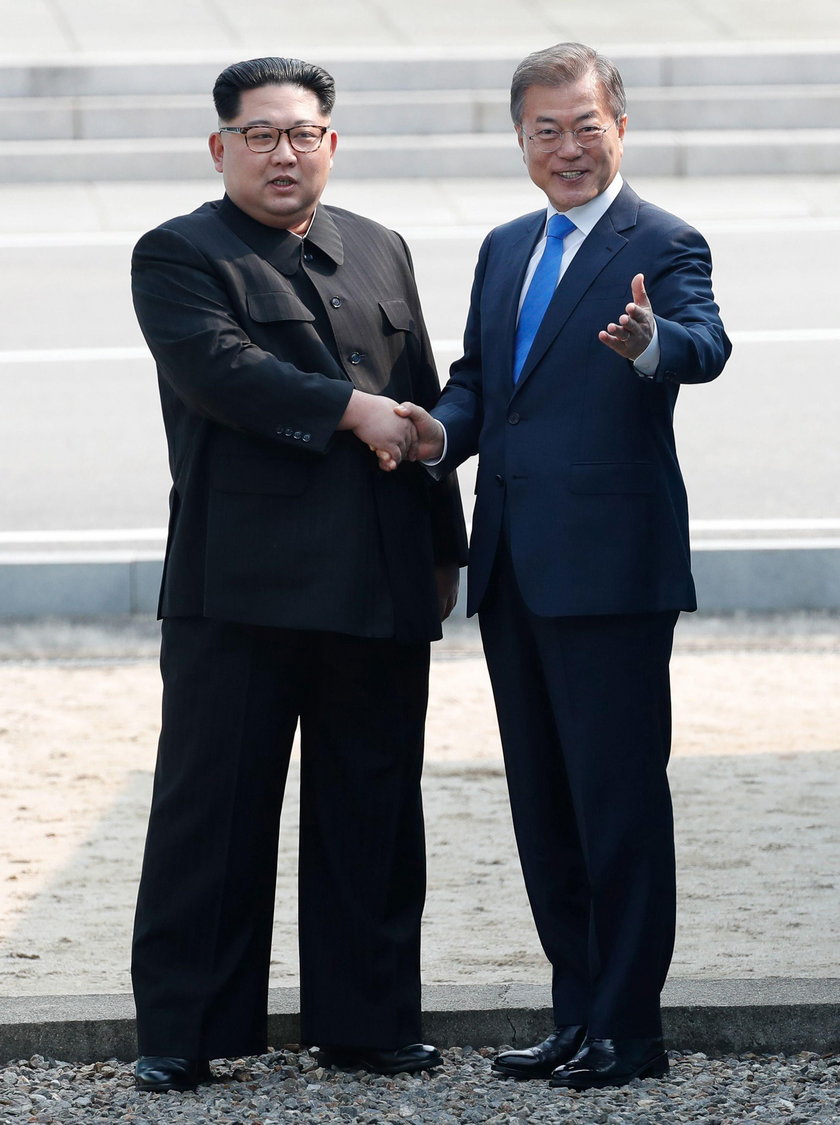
{"x":81,"y":444}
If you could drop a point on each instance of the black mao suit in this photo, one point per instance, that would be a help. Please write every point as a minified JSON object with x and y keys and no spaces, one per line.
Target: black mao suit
{"x":298,"y":585}
{"x":579,"y":565}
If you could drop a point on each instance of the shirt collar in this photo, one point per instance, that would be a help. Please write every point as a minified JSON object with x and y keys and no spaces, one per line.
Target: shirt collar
{"x":281,"y":248}
{"x":587,"y":215}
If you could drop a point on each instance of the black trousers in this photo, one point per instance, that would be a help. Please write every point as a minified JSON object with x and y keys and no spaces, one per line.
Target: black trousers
{"x":585,"y":719}
{"x":233,"y":696}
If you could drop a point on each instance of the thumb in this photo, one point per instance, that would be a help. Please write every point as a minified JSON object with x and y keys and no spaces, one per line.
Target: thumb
{"x":637,"y":288}
{"x":405,"y":409}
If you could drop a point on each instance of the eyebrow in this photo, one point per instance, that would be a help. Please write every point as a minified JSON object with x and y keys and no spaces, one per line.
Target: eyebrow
{"x":580,"y":117}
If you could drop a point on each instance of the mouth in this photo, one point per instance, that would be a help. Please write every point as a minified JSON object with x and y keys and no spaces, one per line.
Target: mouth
{"x":282,"y":182}
{"x":570,"y":177}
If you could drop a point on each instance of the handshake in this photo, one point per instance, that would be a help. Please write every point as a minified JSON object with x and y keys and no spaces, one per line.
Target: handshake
{"x":394,"y":431}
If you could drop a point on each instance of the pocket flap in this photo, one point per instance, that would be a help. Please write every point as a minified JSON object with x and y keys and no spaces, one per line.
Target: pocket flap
{"x":398,"y":314}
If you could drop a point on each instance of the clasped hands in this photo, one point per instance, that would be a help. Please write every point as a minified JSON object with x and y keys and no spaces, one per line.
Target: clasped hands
{"x":394,"y":431}
{"x":406,"y":432}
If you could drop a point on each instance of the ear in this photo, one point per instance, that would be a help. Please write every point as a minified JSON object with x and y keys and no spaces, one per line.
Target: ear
{"x":333,"y":145}
{"x":621,"y":126}
{"x":520,"y":136}
{"x":217,"y":148}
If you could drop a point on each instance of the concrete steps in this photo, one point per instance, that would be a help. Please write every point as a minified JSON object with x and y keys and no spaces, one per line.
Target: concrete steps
{"x":754,"y":109}
{"x":375,"y":112}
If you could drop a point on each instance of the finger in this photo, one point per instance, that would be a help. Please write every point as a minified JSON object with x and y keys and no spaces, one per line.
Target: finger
{"x":637,"y":288}
{"x":386,"y":461}
{"x":612,"y":342}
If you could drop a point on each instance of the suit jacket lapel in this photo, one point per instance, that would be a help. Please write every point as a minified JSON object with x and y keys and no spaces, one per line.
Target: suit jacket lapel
{"x":601,"y":244}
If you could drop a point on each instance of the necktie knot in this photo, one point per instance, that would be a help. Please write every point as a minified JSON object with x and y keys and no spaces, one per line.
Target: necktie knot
{"x":559,"y":226}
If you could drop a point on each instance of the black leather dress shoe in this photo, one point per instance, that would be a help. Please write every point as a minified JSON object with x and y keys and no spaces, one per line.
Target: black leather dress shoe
{"x":540,"y":1061}
{"x":161,"y":1072}
{"x":612,"y":1062}
{"x":404,"y":1060}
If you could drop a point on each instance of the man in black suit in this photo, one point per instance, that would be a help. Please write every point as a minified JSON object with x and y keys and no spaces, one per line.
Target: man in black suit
{"x":300,"y":585}
{"x":579,"y":557}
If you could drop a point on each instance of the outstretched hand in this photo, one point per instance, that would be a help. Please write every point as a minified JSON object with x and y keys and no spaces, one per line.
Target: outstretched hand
{"x":375,"y":420}
{"x":428,"y":437}
{"x":635,"y":327}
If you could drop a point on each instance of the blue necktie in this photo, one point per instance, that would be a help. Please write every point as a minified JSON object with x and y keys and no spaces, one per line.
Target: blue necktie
{"x":540,"y":291}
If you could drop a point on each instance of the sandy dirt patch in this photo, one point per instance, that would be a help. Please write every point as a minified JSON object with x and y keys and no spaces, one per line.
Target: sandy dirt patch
{"x":755,"y":774}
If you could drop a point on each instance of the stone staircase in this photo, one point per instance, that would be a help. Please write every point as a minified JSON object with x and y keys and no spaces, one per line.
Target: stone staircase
{"x":720,"y":110}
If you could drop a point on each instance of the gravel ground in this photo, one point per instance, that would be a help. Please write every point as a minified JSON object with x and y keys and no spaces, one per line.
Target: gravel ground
{"x":286,"y":1087}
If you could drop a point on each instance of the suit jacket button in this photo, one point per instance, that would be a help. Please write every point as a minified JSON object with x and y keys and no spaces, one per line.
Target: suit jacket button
{"x":306,"y":437}
{"x":500,"y":479}
{"x":288,"y":431}
{"x":356,"y":357}
{"x":335,"y":302}
{"x":513,"y":418}
{"x":307,"y":255}
{"x":297,"y":435}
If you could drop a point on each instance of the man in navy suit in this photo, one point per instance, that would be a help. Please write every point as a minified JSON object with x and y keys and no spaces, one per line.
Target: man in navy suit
{"x":585,"y":319}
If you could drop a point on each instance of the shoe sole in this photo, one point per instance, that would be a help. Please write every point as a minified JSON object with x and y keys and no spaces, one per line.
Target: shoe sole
{"x":165,"y":1087}
{"x":657,"y":1068}
{"x":358,"y":1064}
{"x":174,"y":1085}
{"x":520,"y":1076}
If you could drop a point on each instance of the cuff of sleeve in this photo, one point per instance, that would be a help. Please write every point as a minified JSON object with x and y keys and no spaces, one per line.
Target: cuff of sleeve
{"x":432,"y":464}
{"x":646,"y":364}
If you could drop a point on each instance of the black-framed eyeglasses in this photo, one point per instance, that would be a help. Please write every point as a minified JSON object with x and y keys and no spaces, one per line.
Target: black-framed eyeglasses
{"x":587,"y":136}
{"x":266,"y":138}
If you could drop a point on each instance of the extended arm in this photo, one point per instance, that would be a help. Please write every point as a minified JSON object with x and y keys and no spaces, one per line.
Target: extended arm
{"x":677,"y":302}
{"x":193,"y":329}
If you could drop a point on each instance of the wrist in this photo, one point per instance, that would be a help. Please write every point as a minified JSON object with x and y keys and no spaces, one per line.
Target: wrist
{"x":352,"y":415}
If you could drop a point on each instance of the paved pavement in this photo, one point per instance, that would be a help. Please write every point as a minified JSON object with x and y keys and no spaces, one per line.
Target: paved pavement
{"x":758,"y":443}
{"x":68,"y":29}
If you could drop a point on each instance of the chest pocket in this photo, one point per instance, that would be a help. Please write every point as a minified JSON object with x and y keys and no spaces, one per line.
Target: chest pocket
{"x":397,"y":315}
{"x":268,"y":307}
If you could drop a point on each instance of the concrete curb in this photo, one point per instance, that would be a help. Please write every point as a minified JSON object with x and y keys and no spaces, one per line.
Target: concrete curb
{"x":718,"y":1017}
{"x":771,"y":578}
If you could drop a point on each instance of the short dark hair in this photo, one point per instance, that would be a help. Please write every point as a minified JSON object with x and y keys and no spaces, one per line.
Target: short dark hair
{"x":560,"y":65}
{"x":254,"y":73}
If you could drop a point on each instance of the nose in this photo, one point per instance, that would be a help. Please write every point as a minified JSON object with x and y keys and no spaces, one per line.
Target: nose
{"x":568,"y":145}
{"x":284,"y":153}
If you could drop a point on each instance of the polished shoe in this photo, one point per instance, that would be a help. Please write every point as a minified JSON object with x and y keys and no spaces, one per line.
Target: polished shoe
{"x":612,"y":1062}
{"x":540,"y":1061}
{"x":160,"y":1072}
{"x":404,"y":1060}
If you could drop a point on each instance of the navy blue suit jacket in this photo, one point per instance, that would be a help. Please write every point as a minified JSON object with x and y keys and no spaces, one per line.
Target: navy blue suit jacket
{"x":579,"y":458}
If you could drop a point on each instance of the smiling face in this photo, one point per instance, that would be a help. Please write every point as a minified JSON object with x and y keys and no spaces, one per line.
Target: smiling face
{"x":280,"y":188}
{"x":571,"y":175}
